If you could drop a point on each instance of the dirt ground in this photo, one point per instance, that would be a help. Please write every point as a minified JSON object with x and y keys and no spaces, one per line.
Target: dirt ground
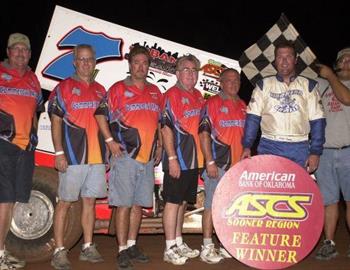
{"x":153,"y":245}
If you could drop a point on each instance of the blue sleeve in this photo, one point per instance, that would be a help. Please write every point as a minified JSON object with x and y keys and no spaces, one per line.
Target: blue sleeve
{"x":204,"y":124}
{"x":251,"y":127}
{"x":167,"y":116}
{"x":102,"y":108}
{"x":57,"y":104}
{"x":317,"y":136}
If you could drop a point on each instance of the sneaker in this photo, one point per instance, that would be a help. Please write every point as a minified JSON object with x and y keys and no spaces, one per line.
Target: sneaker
{"x":327,"y":251}
{"x":210,"y":255}
{"x":173,"y":256}
{"x":186,"y":251}
{"x":14,"y":260}
{"x":60,"y":261}
{"x":224,"y":253}
{"x":348,"y":252}
{"x":91,"y":254}
{"x":5,"y":264}
{"x":135,"y":254}
{"x":123,"y":261}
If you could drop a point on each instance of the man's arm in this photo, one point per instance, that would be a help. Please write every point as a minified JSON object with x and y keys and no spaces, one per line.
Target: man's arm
{"x":168,"y":143}
{"x":317,"y":124}
{"x":251,"y":127}
{"x":253,"y":119}
{"x":113,"y":146}
{"x":61,"y":163}
{"x":35,"y":122}
{"x":341,"y":92}
{"x":317,"y":131}
{"x":210,"y":166}
{"x":159,"y":149}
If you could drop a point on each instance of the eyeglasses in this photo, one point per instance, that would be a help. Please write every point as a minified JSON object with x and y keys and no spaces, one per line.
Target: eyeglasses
{"x":187,"y":70}
{"x":19,"y":49}
{"x":85,"y":60}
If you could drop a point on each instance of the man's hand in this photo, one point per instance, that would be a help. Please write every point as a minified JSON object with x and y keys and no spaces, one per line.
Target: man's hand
{"x":325,"y":71}
{"x":115,"y":148}
{"x":246,"y":153}
{"x":158,"y":155}
{"x":212,"y":170}
{"x":61,"y":163}
{"x":312,"y":163}
{"x":174,"y":168}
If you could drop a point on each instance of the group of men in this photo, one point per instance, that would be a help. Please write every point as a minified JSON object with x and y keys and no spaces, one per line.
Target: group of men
{"x":133,"y":127}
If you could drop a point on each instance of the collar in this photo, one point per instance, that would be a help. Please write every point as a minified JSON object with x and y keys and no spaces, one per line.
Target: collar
{"x":6,"y":64}
{"x":77,"y":78}
{"x":129,"y":82}
{"x":226,"y":97}
{"x":181,"y":87}
{"x":280,"y":78}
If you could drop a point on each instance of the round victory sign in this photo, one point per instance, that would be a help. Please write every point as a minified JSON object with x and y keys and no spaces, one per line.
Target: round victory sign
{"x":268,"y":212}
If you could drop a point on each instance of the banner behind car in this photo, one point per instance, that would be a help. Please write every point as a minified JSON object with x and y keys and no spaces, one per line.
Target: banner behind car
{"x":112,"y":42}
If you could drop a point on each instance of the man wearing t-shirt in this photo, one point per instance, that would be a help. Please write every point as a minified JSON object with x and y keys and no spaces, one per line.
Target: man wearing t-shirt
{"x":334,"y":169}
{"x":183,"y":157}
{"x":129,"y":121}
{"x":20,"y":100}
{"x":220,"y":133}
{"x":79,"y":153}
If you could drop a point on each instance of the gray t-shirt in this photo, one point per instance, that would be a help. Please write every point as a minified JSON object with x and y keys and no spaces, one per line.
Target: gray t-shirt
{"x":337,"y":116}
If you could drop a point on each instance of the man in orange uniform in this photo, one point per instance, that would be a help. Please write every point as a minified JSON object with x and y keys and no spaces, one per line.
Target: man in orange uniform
{"x":183,"y":156}
{"x":129,"y":121}
{"x":20,"y":100}
{"x":79,"y":152}
{"x":220,"y":133}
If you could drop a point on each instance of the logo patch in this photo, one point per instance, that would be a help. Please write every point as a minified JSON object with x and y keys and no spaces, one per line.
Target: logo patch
{"x":128,"y":94}
{"x":6,"y":77}
{"x":76,"y":91}
{"x":185,"y":100}
{"x":224,"y":110}
{"x":287,"y":101}
{"x":154,"y":95}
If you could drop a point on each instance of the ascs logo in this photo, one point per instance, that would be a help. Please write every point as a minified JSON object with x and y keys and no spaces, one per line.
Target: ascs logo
{"x":275,"y":206}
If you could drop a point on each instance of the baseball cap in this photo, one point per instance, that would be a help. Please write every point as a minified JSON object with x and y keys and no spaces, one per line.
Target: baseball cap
{"x":343,"y":52}
{"x":18,"y":38}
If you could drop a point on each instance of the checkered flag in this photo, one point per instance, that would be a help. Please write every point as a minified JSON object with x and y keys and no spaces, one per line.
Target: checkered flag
{"x":257,"y":61}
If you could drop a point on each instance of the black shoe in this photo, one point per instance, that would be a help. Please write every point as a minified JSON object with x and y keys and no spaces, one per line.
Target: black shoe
{"x":327,"y":251}
{"x":123,"y":261}
{"x":135,"y":254}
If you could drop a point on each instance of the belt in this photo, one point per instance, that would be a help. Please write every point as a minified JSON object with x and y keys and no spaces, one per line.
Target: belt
{"x":338,"y":148}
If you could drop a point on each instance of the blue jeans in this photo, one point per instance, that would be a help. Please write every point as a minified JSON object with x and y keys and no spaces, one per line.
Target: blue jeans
{"x":131,"y":182}
{"x":333,"y":175}
{"x":210,"y":185}
{"x":86,"y":180}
